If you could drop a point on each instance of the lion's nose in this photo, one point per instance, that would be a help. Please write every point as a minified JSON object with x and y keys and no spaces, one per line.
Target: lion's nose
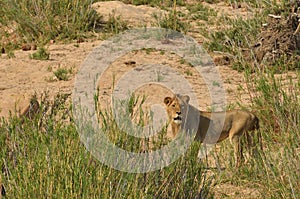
{"x":178,"y":112}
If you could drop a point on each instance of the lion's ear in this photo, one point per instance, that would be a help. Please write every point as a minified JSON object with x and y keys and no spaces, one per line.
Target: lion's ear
{"x":167,"y":100}
{"x":186,"y":99}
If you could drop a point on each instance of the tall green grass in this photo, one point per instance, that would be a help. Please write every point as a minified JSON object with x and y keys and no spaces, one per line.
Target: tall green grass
{"x":274,"y":171}
{"x":278,"y":106}
{"x":44,"y":20}
{"x":44,"y":158}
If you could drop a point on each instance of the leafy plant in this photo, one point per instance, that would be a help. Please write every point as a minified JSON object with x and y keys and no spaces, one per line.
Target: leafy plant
{"x":41,"y":54}
{"x":63,"y":74}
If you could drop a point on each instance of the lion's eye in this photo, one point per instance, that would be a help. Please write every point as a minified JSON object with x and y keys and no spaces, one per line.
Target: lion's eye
{"x":173,"y":105}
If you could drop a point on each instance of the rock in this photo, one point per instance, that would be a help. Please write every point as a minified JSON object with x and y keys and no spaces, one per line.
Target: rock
{"x":80,"y":40}
{"x":28,"y":46}
{"x":222,"y":60}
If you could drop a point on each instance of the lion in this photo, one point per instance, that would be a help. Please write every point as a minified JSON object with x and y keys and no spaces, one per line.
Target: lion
{"x":208,"y":125}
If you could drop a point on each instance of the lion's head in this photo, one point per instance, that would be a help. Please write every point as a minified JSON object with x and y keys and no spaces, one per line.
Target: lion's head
{"x":176,"y":107}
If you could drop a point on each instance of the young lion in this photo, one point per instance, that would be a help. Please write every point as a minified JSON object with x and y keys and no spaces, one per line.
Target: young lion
{"x":212,"y":127}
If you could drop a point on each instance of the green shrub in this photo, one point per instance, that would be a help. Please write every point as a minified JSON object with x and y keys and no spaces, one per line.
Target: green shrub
{"x":63,"y":73}
{"x":41,"y":54}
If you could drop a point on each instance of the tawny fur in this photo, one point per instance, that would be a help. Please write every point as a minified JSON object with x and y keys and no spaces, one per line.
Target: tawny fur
{"x":237,"y":123}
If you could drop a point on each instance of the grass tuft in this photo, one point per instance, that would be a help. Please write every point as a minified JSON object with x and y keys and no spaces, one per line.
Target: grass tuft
{"x":41,"y":54}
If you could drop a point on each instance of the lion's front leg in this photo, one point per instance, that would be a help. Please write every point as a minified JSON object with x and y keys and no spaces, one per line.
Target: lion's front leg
{"x":175,"y":130}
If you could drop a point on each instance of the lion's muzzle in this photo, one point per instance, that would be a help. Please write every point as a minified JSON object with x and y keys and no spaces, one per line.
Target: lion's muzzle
{"x":178,"y":119}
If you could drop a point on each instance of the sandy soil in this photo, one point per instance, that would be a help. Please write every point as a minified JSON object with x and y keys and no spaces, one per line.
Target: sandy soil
{"x":21,"y":76}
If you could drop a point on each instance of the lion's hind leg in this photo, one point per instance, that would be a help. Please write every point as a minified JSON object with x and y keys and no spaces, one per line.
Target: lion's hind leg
{"x":235,"y":139}
{"x":250,"y":147}
{"x":253,"y":144}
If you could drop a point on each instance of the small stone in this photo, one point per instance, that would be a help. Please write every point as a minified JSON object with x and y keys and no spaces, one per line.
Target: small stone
{"x":26,"y":47}
{"x":130,"y":62}
{"x":80,"y":40}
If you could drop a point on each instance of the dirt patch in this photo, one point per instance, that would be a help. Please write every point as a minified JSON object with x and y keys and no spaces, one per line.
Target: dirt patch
{"x":143,"y":58}
{"x":21,"y":76}
{"x":231,"y":191}
{"x":135,"y":15}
